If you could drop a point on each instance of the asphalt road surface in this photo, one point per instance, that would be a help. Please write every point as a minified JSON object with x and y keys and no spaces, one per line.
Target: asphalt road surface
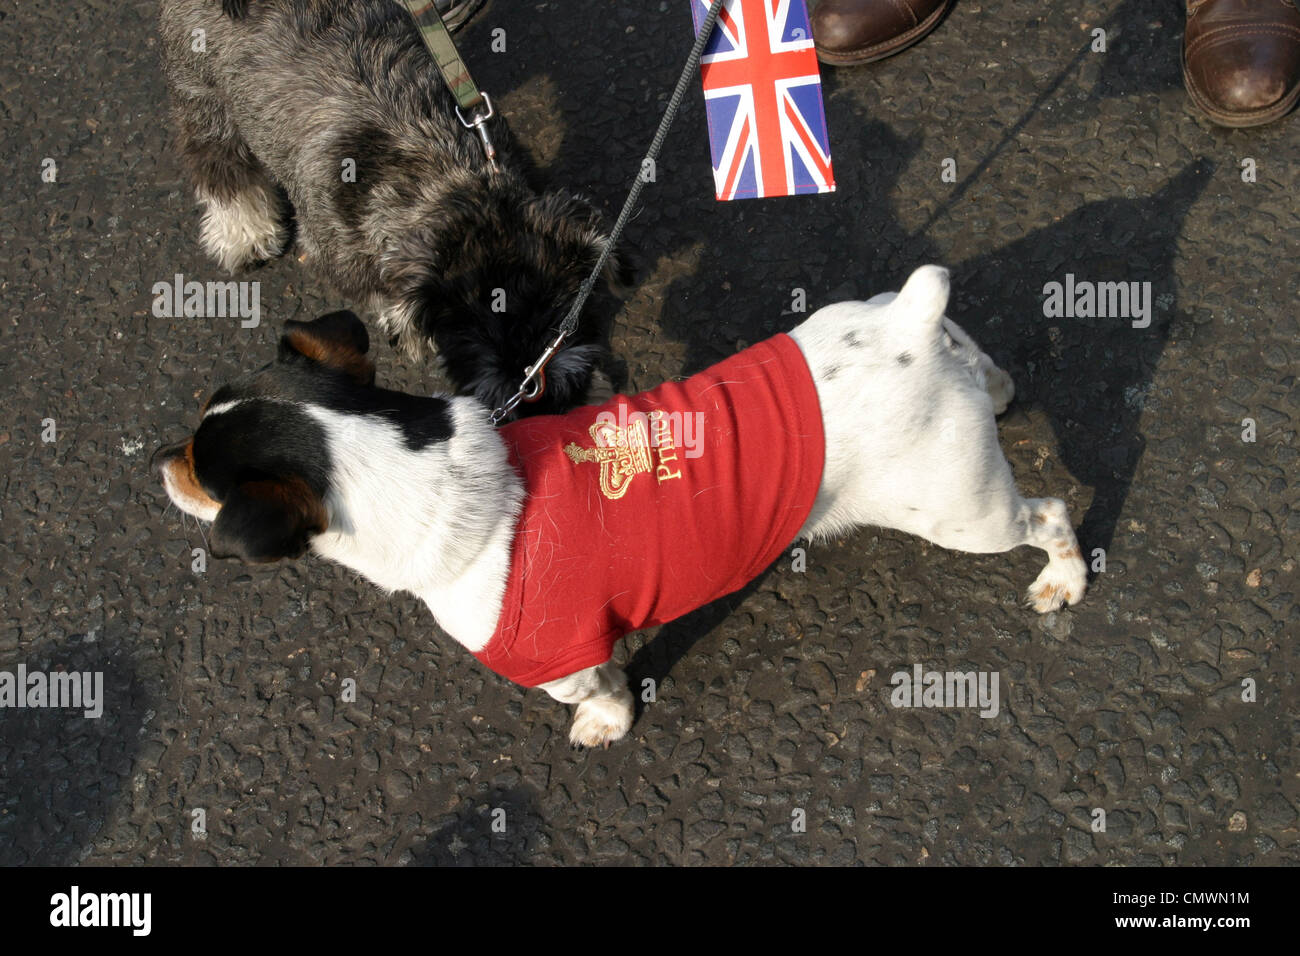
{"x":1164,"y":704}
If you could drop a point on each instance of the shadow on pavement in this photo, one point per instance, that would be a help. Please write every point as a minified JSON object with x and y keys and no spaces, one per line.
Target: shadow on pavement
{"x":62,"y":773}
{"x":467,"y":837}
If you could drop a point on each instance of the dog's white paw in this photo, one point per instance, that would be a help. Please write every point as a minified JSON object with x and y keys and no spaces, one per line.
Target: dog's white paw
{"x":1062,"y":582}
{"x":244,"y":232}
{"x":600,"y":721}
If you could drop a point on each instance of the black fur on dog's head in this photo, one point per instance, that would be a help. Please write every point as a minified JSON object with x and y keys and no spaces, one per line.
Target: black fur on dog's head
{"x":491,"y":284}
{"x":259,"y":466}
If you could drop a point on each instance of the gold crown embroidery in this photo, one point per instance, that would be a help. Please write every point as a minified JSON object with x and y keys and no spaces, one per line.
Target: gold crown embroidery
{"x":623,"y":453}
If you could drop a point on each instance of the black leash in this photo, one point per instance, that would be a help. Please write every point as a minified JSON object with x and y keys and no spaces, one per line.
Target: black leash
{"x":534,"y":383}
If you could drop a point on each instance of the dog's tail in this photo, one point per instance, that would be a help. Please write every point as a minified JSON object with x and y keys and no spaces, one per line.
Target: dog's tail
{"x":920,"y":306}
{"x":235,"y":9}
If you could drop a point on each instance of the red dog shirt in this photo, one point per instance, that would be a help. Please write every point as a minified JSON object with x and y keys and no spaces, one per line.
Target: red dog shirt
{"x":647,"y":507}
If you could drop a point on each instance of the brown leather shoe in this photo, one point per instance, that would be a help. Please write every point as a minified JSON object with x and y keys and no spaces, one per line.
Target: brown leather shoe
{"x":1241,"y":59}
{"x":859,"y":31}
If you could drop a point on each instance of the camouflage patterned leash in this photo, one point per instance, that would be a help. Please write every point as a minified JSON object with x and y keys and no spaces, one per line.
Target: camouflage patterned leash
{"x":534,"y":382}
{"x":470,"y":100}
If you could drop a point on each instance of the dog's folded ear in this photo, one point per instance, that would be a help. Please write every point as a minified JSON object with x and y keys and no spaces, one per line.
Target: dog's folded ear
{"x":337,"y":340}
{"x":268,"y":519}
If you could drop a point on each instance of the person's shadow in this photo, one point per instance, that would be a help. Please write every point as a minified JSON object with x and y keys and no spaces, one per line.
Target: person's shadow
{"x":1090,"y":376}
{"x":504,"y":827}
{"x":62,"y":773}
{"x":1146,"y":32}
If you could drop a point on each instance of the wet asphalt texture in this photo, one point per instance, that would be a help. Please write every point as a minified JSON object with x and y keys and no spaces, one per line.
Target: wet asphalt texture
{"x":223,"y":687}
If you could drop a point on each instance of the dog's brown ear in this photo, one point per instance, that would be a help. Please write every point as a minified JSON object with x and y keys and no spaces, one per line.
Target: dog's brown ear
{"x":337,"y":340}
{"x":267,"y":520}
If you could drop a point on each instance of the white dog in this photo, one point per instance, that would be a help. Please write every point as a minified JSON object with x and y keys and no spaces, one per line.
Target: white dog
{"x":538,"y":545}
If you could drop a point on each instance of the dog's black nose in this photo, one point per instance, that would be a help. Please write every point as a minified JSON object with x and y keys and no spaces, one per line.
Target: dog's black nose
{"x":163,"y":455}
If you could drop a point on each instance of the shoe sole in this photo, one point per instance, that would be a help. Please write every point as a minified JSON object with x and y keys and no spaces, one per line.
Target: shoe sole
{"x":1237,"y":120}
{"x":882,"y":51}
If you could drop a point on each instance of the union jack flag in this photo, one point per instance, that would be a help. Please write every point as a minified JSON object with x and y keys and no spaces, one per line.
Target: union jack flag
{"x":763,"y":94}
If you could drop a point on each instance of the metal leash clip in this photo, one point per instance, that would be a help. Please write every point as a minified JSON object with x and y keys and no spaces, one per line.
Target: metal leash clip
{"x":534,"y":383}
{"x":479,"y":125}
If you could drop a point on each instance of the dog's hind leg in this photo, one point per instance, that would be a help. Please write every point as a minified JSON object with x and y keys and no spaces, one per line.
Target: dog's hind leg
{"x":605,"y":707}
{"x":244,"y":221}
{"x":1063,"y":581}
{"x":997,"y":383}
{"x":1039,"y":522}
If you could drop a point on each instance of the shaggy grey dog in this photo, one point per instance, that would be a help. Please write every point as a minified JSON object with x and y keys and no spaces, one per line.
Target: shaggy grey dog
{"x":331,"y":116}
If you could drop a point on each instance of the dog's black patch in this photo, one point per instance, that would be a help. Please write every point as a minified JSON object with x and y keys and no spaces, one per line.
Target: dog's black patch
{"x":427,"y":421}
{"x":422,"y":421}
{"x":852,"y":341}
{"x":235,"y":9}
{"x":904,"y":359}
{"x":373,"y":150}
